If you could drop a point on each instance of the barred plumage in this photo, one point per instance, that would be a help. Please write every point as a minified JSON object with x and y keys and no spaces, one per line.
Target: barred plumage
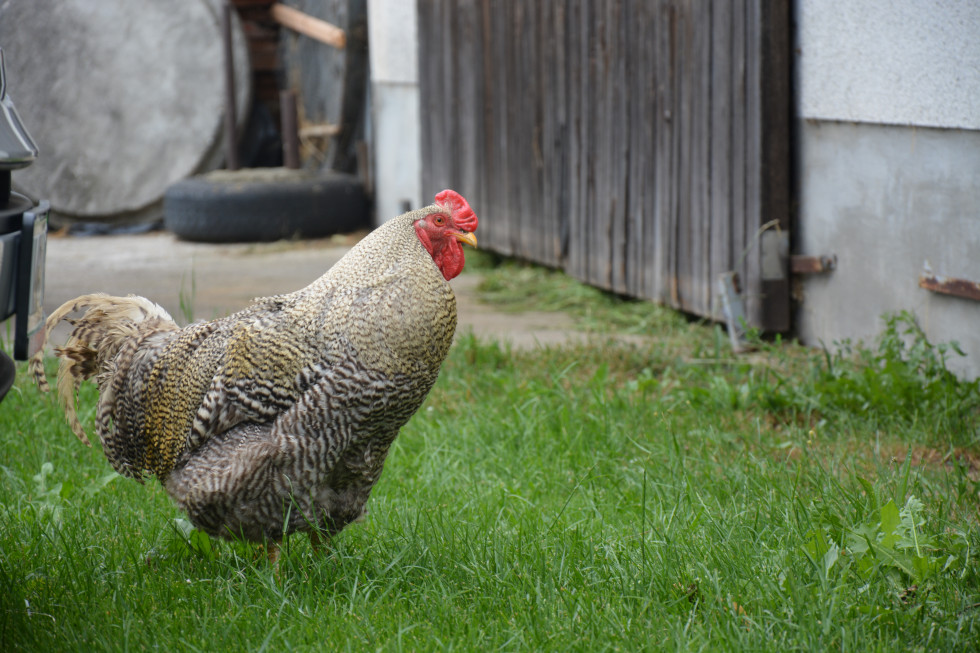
{"x":277,"y":418}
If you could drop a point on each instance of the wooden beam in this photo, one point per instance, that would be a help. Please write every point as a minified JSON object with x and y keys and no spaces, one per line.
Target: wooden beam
{"x":305,"y":24}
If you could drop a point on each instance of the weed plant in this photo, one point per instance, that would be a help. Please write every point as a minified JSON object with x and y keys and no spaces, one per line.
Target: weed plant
{"x":602,"y":496}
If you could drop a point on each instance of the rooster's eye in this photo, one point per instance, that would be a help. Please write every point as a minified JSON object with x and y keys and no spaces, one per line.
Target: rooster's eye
{"x":439,"y":220}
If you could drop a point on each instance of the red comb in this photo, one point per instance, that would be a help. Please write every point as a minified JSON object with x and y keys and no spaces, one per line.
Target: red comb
{"x":459,"y":208}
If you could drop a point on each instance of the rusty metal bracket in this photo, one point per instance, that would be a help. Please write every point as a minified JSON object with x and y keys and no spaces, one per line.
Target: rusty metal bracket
{"x":949,"y":285}
{"x":800,"y":264}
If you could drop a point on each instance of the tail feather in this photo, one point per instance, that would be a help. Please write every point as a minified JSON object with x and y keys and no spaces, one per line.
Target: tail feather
{"x":96,"y":339}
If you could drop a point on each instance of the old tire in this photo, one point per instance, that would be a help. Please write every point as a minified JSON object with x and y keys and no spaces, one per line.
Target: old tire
{"x":263,"y":205}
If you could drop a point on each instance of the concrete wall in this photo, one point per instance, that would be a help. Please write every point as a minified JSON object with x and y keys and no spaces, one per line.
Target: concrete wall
{"x":889,"y":146}
{"x":392,"y":34}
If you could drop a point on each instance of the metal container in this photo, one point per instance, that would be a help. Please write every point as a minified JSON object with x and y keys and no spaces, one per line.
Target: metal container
{"x":23,"y":240}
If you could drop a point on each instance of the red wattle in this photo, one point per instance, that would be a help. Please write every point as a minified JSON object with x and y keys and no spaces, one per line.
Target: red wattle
{"x":450,"y":259}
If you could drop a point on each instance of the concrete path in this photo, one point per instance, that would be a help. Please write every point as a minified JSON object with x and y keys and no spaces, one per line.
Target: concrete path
{"x":215,"y":280}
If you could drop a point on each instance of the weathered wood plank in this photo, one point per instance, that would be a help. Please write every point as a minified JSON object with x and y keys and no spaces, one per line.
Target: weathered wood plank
{"x":527,"y":89}
{"x":467,"y":91}
{"x":430,"y":58}
{"x":502,"y":206}
{"x":753,"y":152}
{"x":640,"y":75}
{"x":577,"y":154}
{"x":639,"y":145}
{"x":702,"y":173}
{"x":697,"y":228}
{"x":601,"y":219}
{"x":663,"y":278}
{"x":720,"y":251}
{"x":552,"y":108}
{"x":680,"y":247}
{"x":491,"y":172}
{"x":620,"y":146}
{"x":738,"y":161}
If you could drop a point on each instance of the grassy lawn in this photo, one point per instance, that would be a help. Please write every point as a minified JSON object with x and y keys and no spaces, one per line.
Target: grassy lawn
{"x":598,"y":497}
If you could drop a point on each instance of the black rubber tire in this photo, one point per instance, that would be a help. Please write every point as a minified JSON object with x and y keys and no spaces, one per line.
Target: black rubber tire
{"x":7,"y":373}
{"x":264,"y":204}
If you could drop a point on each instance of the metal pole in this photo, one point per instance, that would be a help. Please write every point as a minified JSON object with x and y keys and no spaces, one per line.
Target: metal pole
{"x":290,"y":129}
{"x":231,"y":119}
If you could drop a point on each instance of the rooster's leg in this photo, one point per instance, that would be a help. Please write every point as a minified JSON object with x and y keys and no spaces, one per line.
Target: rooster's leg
{"x":272,"y":552}
{"x":318,"y":542}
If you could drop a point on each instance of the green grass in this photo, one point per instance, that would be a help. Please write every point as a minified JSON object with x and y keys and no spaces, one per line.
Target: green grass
{"x":595,"y":497}
{"x":515,"y":286}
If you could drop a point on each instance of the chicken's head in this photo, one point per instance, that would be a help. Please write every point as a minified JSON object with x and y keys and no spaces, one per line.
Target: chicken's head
{"x":443,"y":229}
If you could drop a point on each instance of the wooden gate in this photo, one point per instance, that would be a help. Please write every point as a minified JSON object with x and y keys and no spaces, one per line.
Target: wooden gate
{"x":643,"y":146}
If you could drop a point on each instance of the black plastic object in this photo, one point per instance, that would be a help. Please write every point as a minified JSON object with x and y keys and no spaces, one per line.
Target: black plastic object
{"x":264,"y":205}
{"x":17,"y":148}
{"x":23,"y":240}
{"x":7,"y":373}
{"x":23,"y":245}
{"x":29,"y":324}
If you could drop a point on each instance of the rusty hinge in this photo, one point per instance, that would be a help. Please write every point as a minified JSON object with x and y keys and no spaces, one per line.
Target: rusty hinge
{"x":949,"y":285}
{"x":799,"y":264}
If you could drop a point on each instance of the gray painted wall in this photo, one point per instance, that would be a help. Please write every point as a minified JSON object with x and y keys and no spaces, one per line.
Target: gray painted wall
{"x":889,"y":142}
{"x":886,"y":200}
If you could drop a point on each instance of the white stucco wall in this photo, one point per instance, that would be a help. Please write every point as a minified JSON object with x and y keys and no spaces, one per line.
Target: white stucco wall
{"x":393,"y":35}
{"x":901,"y":62}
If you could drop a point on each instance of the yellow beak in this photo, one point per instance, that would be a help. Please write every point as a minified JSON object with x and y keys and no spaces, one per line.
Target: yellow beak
{"x":465,"y":237}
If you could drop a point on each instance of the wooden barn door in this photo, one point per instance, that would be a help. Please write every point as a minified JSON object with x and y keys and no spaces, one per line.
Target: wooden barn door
{"x":643,"y":146}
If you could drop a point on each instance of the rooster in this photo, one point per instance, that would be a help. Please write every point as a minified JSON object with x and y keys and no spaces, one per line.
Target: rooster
{"x":278,"y":418}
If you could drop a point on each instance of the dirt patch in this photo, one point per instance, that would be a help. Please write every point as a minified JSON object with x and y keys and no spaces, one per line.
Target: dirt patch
{"x":214,"y":280}
{"x":934,"y":458}
{"x":894,"y":454}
